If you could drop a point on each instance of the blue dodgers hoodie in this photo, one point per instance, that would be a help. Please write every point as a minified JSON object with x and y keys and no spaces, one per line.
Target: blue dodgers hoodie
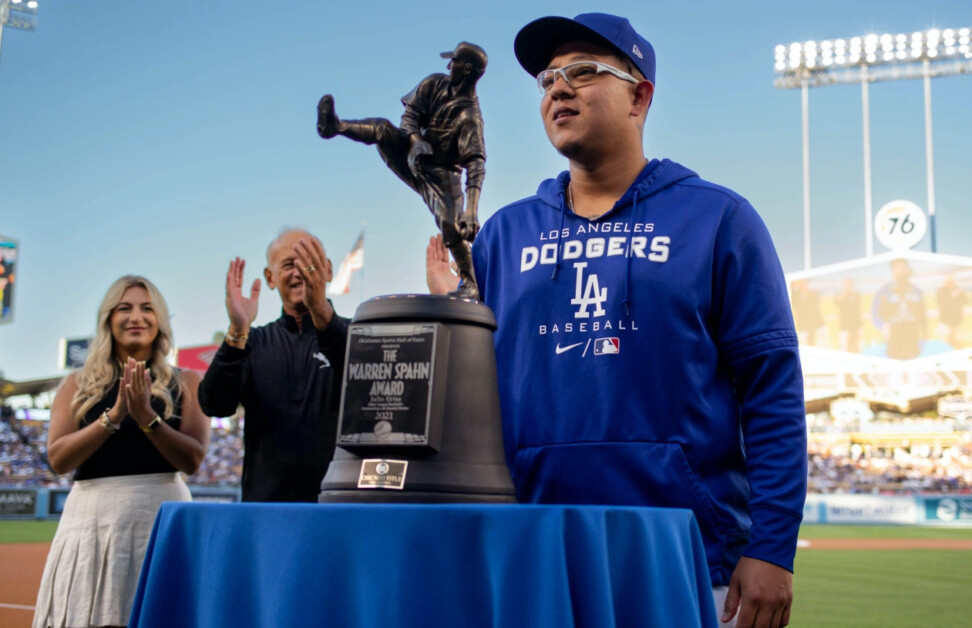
{"x":649,"y":358}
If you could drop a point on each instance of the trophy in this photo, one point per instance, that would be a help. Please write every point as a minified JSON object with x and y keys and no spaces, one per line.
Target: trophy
{"x":420,"y":415}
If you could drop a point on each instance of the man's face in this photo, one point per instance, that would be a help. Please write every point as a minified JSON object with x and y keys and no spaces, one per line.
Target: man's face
{"x":592,"y":118}
{"x":281,"y":272}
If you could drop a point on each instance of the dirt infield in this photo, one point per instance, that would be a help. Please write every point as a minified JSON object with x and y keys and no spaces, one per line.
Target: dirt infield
{"x":886,"y":544}
{"x":21,"y":568}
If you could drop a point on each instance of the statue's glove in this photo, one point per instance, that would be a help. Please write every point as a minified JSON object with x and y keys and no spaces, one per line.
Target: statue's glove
{"x":468,"y":223}
{"x":419,"y":149}
{"x":468,"y":228}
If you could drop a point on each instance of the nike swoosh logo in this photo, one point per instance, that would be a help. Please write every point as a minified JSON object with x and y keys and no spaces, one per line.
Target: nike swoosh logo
{"x":560,"y":349}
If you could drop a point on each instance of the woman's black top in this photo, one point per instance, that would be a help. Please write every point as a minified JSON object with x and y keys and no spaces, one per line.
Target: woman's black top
{"x":128,"y":451}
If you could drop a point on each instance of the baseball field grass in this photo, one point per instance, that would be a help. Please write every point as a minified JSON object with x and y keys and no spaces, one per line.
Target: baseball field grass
{"x":904,"y":584}
{"x":27,"y":531}
{"x":882,"y":587}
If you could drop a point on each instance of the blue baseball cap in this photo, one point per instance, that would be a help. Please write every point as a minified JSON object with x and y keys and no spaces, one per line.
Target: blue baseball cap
{"x":535,"y":43}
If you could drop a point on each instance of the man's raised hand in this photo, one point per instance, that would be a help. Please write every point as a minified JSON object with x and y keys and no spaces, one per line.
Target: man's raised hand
{"x":315,"y":268}
{"x":242,"y":311}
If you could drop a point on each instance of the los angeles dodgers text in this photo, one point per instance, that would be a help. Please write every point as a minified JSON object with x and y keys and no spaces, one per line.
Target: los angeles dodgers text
{"x":601,"y":227}
{"x":591,"y":248}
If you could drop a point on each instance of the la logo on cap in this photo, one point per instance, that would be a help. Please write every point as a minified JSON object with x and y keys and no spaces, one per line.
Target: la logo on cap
{"x":635,"y":50}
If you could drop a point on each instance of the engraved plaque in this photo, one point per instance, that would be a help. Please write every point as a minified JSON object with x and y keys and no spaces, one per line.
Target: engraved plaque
{"x":387,"y":400}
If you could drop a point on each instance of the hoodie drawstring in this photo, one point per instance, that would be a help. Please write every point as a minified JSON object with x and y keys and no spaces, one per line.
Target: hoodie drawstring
{"x":560,"y":232}
{"x":626,"y":295}
{"x":627,"y":269}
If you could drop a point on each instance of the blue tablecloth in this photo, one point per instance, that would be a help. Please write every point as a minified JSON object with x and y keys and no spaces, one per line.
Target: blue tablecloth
{"x":394,"y":565}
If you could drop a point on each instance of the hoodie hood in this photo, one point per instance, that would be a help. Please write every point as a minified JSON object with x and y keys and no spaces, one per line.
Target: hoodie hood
{"x":654,"y":177}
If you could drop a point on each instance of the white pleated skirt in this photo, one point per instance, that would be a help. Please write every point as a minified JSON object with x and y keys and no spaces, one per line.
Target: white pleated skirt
{"x":96,"y":556}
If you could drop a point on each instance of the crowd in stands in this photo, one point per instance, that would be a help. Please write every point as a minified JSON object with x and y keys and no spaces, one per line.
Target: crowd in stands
{"x":835,"y":466}
{"x":899,"y":472}
{"x":23,"y":456}
{"x":223,"y":465}
{"x":890,"y":455}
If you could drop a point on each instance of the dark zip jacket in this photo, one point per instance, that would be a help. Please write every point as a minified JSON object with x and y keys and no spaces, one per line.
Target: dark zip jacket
{"x":289,"y":383}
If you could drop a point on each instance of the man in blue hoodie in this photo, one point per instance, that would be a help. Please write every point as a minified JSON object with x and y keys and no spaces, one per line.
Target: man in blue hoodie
{"x":645,"y":345}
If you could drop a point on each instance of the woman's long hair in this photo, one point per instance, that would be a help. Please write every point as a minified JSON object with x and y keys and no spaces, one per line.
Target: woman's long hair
{"x":101,"y":370}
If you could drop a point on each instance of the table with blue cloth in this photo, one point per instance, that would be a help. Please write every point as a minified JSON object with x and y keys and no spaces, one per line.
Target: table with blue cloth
{"x":408,"y":565}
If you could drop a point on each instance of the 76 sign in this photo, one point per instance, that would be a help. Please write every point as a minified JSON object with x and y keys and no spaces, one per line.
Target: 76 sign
{"x":900,"y":225}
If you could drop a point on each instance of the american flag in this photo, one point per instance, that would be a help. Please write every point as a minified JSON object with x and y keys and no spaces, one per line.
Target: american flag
{"x":353,"y":261}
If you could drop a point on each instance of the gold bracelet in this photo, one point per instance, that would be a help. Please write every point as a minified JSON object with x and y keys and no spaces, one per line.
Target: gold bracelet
{"x":237,"y":338}
{"x":152,"y":426}
{"x":106,"y":423}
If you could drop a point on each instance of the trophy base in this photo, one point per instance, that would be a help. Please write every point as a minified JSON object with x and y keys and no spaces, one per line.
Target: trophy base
{"x":449,"y":446}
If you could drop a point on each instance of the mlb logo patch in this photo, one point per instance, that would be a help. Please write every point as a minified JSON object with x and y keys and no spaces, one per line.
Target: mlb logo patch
{"x":607,"y":346}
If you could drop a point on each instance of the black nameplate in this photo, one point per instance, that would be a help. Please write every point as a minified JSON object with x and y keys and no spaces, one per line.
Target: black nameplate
{"x":389,"y":380}
{"x":381,"y":473}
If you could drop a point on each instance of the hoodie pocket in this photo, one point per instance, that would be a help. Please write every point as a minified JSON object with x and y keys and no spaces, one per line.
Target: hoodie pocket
{"x":620,"y":474}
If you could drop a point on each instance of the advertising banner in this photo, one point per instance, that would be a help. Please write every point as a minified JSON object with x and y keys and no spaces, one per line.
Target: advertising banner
{"x":813,"y":508}
{"x":902,"y":305}
{"x":948,"y":509}
{"x":8,"y":264}
{"x":196,"y":358}
{"x":17,"y":502}
{"x":871,"y":509}
{"x":55,"y":505}
{"x":72,"y":353}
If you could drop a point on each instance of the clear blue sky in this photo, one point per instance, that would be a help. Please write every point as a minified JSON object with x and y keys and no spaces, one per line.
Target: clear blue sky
{"x":165,"y":138}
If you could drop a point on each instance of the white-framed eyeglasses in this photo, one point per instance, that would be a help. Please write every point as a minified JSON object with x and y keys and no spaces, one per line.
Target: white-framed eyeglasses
{"x":579,"y":74}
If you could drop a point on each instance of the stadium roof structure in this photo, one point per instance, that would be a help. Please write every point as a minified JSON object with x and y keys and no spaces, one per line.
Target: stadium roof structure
{"x":907,"y":405}
{"x":822,"y":403}
{"x":30,"y":388}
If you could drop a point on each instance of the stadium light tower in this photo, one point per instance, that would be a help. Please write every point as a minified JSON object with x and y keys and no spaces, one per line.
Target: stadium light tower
{"x":17,"y":14}
{"x":868,"y":59}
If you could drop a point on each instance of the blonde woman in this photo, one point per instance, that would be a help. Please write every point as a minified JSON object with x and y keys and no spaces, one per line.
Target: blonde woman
{"x":126,"y":424}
